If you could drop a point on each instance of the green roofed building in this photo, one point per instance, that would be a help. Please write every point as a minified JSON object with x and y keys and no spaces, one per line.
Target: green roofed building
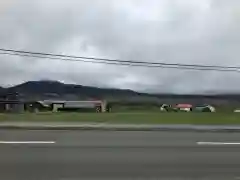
{"x":205,"y":108}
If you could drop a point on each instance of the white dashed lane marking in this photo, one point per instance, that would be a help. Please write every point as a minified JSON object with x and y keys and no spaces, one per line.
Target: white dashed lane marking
{"x":27,"y":142}
{"x":218,"y":143}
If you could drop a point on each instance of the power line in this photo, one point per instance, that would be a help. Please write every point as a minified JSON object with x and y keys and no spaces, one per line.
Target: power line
{"x":118,"y":62}
{"x":122,"y":64}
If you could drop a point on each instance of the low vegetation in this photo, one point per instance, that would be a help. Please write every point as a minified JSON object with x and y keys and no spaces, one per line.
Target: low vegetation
{"x":133,"y":117}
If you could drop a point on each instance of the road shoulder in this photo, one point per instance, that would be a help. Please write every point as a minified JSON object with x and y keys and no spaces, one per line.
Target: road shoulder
{"x":115,"y":127}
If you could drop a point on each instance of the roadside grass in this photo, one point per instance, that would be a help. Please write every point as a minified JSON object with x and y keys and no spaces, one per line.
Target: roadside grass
{"x":131,"y":118}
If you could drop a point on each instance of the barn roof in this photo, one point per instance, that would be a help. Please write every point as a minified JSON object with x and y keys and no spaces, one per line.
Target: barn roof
{"x":184,"y":105}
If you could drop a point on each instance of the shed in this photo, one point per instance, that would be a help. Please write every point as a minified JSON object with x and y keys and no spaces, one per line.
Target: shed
{"x":205,"y":108}
{"x":184,"y":107}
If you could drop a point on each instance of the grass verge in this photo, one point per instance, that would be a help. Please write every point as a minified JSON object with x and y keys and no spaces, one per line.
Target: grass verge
{"x":131,"y":118}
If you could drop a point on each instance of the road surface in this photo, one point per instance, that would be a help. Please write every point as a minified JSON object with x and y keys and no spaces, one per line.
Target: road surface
{"x":71,"y":155}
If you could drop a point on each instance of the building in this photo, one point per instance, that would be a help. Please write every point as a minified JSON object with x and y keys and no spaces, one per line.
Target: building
{"x":11,"y":102}
{"x":205,"y":108}
{"x":184,"y":107}
{"x":79,"y":106}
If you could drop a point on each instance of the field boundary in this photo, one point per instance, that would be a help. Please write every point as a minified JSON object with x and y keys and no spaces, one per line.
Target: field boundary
{"x":117,"y":127}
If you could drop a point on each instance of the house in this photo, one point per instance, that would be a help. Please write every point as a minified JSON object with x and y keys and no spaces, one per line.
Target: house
{"x":184,"y":107}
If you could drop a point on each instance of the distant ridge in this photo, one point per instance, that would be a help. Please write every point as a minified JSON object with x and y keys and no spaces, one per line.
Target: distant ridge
{"x":53,"y":89}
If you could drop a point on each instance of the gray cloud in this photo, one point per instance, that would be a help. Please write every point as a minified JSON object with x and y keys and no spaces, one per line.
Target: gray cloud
{"x":173,"y":31}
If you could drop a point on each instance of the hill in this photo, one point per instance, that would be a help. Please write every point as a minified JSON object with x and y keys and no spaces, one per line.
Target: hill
{"x":55,"y":89}
{"x":38,"y":90}
{"x":61,"y":88}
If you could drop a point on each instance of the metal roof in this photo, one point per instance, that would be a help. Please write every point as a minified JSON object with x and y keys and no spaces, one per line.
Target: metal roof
{"x":184,"y":105}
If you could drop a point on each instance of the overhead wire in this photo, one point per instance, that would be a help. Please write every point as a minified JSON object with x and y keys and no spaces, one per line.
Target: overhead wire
{"x":118,"y":62}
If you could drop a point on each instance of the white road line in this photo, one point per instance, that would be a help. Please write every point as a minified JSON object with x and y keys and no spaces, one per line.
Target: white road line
{"x":218,"y":143}
{"x":27,"y":142}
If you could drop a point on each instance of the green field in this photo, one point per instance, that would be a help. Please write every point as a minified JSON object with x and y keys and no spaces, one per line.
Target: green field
{"x":138,"y":118}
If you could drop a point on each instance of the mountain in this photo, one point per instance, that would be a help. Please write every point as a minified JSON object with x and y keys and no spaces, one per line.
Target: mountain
{"x":55,"y":89}
{"x":38,"y":90}
{"x":1,"y":89}
{"x":61,"y":88}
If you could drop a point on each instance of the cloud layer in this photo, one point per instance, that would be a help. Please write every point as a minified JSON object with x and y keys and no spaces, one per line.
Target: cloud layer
{"x":172,"y":31}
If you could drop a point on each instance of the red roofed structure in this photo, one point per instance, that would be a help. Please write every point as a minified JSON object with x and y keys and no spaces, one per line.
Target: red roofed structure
{"x":184,"y":106}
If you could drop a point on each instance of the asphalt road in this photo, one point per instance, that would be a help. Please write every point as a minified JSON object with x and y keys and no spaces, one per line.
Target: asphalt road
{"x":71,"y":155}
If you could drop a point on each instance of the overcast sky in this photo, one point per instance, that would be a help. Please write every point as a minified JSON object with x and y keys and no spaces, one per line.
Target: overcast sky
{"x":171,"y":31}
